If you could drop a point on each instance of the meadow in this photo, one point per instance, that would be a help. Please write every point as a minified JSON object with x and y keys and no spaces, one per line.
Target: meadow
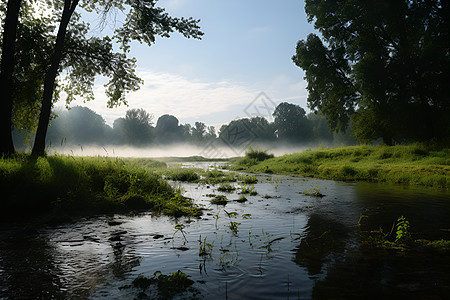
{"x":413,"y":164}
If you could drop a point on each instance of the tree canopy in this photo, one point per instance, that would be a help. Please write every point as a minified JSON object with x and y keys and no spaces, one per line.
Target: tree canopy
{"x":62,"y":45}
{"x":382,"y":64}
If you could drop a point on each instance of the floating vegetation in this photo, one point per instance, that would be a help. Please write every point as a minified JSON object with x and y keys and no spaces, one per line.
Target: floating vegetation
{"x":403,"y":238}
{"x":167,"y":286}
{"x":241,"y":199}
{"x":248,"y":190}
{"x":219,"y":200}
{"x":313,"y":191}
{"x":228,"y":188}
{"x":248,"y":179}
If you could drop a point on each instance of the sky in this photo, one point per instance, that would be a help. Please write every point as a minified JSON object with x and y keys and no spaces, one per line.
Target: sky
{"x":243,"y":60}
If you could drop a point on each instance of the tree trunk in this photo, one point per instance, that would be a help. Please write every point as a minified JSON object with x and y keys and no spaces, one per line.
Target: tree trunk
{"x":50,"y":78}
{"x":6,"y":76}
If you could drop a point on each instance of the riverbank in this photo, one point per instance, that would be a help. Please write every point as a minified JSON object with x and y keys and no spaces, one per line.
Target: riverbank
{"x":413,"y":165}
{"x":59,"y":187}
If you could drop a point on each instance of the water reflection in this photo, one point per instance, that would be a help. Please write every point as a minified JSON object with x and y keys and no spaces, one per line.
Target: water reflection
{"x":324,"y":242}
{"x":28,"y":268}
{"x":292,"y":244}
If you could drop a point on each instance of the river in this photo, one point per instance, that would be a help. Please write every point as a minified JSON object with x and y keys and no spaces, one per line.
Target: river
{"x":280,"y":244}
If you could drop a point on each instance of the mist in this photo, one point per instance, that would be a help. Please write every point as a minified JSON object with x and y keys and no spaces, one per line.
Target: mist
{"x":174,"y":150}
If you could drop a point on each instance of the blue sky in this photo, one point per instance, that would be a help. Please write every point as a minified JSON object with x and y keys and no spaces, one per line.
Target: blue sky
{"x":246,"y":50}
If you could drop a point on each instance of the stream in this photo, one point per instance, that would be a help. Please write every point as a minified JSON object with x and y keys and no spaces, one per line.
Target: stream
{"x":280,"y":244}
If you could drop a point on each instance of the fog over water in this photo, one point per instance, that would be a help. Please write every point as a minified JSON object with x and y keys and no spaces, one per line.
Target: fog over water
{"x":178,"y":150}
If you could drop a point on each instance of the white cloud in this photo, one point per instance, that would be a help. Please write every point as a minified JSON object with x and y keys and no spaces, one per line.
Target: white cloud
{"x":164,"y":93}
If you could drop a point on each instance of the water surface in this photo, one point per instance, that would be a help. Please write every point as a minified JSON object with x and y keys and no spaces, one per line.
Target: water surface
{"x":288,"y":245}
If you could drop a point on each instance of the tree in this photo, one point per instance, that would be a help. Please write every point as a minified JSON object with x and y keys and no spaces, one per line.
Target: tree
{"x":144,"y":21}
{"x":78,"y":125}
{"x":384,"y":64}
{"x":291,"y":123}
{"x":6,"y":75}
{"x":136,"y":128}
{"x":198,"y":132}
{"x":168,"y":130}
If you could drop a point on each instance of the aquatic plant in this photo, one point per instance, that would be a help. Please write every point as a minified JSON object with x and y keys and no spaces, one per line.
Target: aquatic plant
{"x":234,"y":226}
{"x":248,"y":190}
{"x":248,"y":179}
{"x":180,"y":228}
{"x":241,"y":199}
{"x":219,"y":200}
{"x":226,"y":188}
{"x":402,"y":234}
{"x":205,"y":248}
{"x":168,"y":286}
{"x":313,"y":191}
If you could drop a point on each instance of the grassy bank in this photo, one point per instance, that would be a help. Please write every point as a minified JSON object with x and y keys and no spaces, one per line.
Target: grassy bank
{"x":415,"y":165}
{"x":66,"y":186}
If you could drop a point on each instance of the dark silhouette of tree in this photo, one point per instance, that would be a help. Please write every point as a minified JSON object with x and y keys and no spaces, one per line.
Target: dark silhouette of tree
{"x":243,"y":132}
{"x":136,"y":128}
{"x":144,"y":21}
{"x":291,"y":123}
{"x":385,"y":64}
{"x":168,"y":130}
{"x":6,"y":76}
{"x":198,"y":132}
{"x":79,"y":125}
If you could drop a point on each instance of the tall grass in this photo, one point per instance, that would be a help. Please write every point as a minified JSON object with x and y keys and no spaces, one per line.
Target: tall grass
{"x":66,"y":185}
{"x":414,"y":164}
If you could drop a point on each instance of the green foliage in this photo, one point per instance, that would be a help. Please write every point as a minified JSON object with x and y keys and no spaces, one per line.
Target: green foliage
{"x":226,"y":188}
{"x":168,"y":286}
{"x":248,"y":179}
{"x":402,"y":235}
{"x":382,"y":66}
{"x":414,"y":164}
{"x":248,"y":190}
{"x":291,"y":123}
{"x":257,"y":154}
{"x":242,"y":199}
{"x":205,"y":248}
{"x":313,"y":191}
{"x":219,"y":200}
{"x":66,"y":185}
{"x":181,"y":174}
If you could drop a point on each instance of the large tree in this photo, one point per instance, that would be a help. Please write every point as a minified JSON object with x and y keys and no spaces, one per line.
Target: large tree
{"x":144,"y":21}
{"x":291,"y":124}
{"x":385,"y":64}
{"x":6,"y":75}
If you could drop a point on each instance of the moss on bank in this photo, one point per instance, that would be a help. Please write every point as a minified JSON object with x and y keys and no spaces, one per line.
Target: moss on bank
{"x":414,"y":164}
{"x":67,"y":186}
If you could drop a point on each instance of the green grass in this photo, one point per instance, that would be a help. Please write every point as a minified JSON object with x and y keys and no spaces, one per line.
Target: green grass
{"x":414,"y":164}
{"x":68,"y":186}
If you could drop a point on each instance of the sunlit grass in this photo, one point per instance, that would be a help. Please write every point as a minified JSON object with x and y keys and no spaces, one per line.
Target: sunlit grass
{"x":414,"y":164}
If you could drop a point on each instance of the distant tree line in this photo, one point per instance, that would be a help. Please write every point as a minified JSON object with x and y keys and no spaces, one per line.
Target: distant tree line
{"x":291,"y":126}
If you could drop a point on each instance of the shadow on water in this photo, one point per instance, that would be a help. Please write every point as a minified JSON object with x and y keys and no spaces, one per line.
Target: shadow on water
{"x":345,"y":268}
{"x":70,"y":261}
{"x":28,"y":269}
